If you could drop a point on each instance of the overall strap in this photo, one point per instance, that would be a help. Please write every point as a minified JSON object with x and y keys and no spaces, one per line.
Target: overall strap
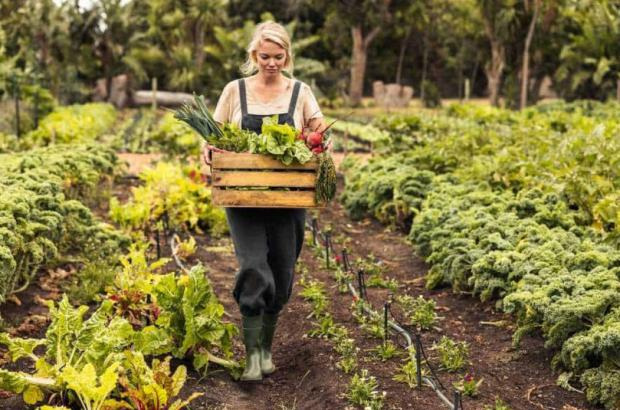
{"x":243,"y":97}
{"x":291,"y":108}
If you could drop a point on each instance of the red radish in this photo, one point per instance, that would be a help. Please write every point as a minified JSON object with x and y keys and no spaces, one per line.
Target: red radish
{"x":315,"y":138}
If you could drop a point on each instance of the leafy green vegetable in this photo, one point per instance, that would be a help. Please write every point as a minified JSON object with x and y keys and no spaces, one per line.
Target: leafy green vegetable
{"x":92,"y":390}
{"x":280,"y":141}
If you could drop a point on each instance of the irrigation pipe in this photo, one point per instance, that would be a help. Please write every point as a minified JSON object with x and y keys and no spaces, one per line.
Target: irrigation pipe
{"x":456,"y":405}
{"x":371,"y":312}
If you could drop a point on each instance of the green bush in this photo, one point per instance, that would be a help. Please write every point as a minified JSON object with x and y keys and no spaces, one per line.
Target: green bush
{"x":432,"y":97}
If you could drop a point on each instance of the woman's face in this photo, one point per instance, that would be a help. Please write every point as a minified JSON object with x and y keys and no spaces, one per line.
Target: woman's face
{"x":271,"y":58}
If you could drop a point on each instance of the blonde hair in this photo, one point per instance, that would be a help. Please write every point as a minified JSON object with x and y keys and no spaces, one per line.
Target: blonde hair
{"x":268,"y":31}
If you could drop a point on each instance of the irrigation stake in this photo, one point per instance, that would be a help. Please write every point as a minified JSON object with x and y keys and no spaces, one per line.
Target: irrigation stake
{"x":345,"y":260}
{"x":328,"y":239}
{"x":418,"y":359}
{"x":360,"y":284}
{"x":386,"y":329}
{"x":457,"y":400}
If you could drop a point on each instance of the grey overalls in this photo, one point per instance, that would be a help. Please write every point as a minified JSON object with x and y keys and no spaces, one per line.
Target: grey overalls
{"x":267,"y":241}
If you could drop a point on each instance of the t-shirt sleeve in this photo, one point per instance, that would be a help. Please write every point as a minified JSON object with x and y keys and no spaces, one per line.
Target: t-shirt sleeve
{"x":311,"y":107}
{"x":224,"y":108}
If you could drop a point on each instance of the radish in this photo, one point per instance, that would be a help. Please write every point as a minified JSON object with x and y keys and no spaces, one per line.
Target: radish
{"x":315,"y":138}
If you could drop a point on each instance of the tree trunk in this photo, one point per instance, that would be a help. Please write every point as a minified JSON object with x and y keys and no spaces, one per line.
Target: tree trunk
{"x":474,"y":74}
{"x":534,"y":90}
{"x":199,"y":41}
{"x":618,"y":89}
{"x":358,"y":62}
{"x":424,"y":65}
{"x":494,"y":71}
{"x":525,"y":71}
{"x":401,"y":56}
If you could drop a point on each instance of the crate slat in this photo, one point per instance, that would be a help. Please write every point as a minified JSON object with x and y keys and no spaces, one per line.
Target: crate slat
{"x":265,"y":179}
{"x":231,"y":160}
{"x":263,"y":199}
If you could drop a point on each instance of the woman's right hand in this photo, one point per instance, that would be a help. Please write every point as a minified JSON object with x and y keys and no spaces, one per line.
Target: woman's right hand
{"x":206,"y":152}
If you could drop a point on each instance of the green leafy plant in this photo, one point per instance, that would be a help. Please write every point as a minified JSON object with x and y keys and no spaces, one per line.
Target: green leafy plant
{"x":386,"y":351}
{"x":280,"y":141}
{"x":345,"y":347}
{"x":171,"y":198}
{"x":408,"y":372}
{"x":89,"y":282}
{"x":74,"y":124}
{"x":314,"y":292}
{"x":469,"y":386}
{"x":499,"y":405}
{"x":324,"y":327}
{"x":419,"y":311}
{"x":43,"y":219}
{"x":191,"y":316}
{"x":453,"y":355}
{"x":91,"y":390}
{"x":363,"y":391}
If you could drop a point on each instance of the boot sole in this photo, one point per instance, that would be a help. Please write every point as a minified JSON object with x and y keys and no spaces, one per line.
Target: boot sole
{"x":251,"y":380}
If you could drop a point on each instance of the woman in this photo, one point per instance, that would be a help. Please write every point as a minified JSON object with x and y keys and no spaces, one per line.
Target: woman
{"x":267,"y":241}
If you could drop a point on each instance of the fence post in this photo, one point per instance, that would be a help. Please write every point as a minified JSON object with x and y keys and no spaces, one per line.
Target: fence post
{"x":154,"y":88}
{"x":467,"y":89}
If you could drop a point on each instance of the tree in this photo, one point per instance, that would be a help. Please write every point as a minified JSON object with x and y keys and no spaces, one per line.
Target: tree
{"x":590,"y":58}
{"x":365,"y":20}
{"x":525,"y":72}
{"x":498,"y":18}
{"x":229,"y":50}
{"x":407,"y":19}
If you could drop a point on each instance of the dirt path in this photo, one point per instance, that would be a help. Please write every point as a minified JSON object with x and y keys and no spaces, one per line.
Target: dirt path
{"x":307,"y":377}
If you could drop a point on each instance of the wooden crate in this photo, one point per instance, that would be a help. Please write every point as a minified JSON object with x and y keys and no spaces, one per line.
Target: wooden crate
{"x":232,"y":171}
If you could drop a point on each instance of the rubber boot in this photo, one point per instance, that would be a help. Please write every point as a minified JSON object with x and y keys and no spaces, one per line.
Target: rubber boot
{"x":269,"y":328}
{"x":252,"y":326}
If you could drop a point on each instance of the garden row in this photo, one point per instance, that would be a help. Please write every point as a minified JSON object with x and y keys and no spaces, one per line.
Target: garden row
{"x":43,"y":220}
{"x":138,"y":131}
{"x":519,"y":207}
{"x":116,"y":351}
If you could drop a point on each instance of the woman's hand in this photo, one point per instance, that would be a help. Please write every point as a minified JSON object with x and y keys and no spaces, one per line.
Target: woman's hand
{"x":207,"y":150}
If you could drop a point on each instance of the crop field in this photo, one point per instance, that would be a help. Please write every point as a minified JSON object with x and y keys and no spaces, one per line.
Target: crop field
{"x":438,"y":194}
{"x":491,"y":237}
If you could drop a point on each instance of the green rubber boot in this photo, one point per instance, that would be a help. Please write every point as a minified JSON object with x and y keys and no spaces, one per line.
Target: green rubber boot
{"x":252,"y":326}
{"x":269,"y":328}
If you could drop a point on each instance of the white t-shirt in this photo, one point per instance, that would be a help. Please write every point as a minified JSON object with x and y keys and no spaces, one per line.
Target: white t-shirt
{"x":228,"y":109}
